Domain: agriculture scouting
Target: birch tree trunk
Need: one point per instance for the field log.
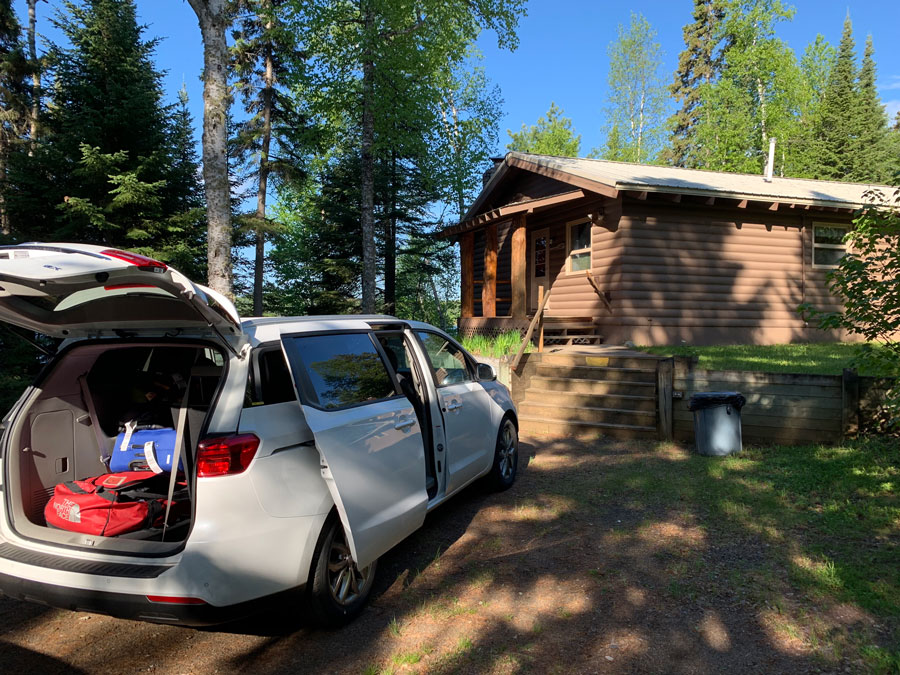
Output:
(4, 152)
(390, 245)
(213, 20)
(367, 184)
(35, 72)
(267, 100)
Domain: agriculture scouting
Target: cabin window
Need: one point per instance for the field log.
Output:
(579, 246)
(828, 244)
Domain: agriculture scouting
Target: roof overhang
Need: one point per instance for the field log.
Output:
(528, 206)
(612, 179)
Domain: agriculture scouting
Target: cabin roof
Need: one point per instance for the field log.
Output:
(608, 178)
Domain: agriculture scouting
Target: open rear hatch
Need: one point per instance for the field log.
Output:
(72, 421)
(70, 291)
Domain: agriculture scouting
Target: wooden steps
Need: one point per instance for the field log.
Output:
(585, 396)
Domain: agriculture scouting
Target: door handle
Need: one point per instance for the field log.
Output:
(404, 424)
(454, 406)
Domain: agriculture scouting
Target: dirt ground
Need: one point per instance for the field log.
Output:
(571, 570)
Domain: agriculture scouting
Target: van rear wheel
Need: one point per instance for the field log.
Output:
(339, 588)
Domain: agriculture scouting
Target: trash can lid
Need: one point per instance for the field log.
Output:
(711, 399)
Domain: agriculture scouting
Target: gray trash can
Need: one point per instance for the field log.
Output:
(717, 422)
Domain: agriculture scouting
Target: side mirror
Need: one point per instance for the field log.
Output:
(486, 372)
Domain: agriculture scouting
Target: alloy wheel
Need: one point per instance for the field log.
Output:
(345, 580)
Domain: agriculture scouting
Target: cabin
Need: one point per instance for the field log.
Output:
(650, 254)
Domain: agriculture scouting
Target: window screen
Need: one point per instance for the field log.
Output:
(447, 360)
(343, 369)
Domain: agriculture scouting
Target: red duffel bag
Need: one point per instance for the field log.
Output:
(99, 505)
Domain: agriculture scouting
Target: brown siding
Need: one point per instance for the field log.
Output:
(706, 279)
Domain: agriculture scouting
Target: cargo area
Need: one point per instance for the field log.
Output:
(55, 442)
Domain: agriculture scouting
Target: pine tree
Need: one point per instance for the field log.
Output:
(798, 150)
(316, 256)
(838, 129)
(871, 160)
(102, 170)
(552, 135)
(182, 195)
(13, 99)
(272, 142)
(698, 64)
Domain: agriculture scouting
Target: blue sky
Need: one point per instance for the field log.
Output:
(562, 51)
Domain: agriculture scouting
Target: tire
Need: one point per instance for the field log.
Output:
(338, 590)
(506, 457)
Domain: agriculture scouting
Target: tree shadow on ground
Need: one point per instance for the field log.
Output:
(605, 557)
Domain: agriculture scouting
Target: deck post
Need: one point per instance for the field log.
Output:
(467, 292)
(665, 374)
(541, 320)
(849, 403)
(489, 288)
(518, 270)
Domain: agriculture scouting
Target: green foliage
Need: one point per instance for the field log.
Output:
(637, 96)
(812, 359)
(113, 164)
(867, 280)
(427, 286)
(315, 257)
(505, 344)
(739, 85)
(698, 64)
(469, 109)
(14, 98)
(756, 95)
(552, 135)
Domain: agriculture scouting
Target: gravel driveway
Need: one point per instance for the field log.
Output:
(577, 568)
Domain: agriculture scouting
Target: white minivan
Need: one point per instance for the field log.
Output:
(310, 446)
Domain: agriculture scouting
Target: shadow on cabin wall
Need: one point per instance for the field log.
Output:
(711, 276)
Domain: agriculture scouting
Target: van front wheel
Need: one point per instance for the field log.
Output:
(339, 589)
(506, 456)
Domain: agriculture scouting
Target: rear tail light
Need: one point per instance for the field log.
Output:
(175, 600)
(226, 456)
(141, 261)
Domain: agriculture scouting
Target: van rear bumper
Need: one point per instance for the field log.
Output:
(131, 606)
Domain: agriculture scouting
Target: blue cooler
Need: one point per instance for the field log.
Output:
(151, 449)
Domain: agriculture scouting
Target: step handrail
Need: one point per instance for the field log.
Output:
(528, 333)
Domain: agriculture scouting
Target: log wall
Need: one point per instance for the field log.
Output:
(712, 277)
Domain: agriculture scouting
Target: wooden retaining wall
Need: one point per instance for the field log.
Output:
(781, 407)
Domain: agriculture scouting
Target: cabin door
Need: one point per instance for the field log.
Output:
(540, 264)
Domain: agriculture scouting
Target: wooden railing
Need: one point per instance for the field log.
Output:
(538, 318)
(593, 281)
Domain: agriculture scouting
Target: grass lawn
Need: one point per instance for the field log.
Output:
(505, 344)
(814, 359)
(632, 557)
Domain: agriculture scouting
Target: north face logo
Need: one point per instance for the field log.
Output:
(68, 510)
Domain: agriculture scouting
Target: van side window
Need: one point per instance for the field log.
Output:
(342, 369)
(447, 361)
(270, 379)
